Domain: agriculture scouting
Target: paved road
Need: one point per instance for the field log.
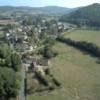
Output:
(22, 90)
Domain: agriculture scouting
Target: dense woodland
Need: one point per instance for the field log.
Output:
(10, 64)
(84, 16)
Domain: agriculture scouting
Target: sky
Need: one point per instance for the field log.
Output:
(41, 3)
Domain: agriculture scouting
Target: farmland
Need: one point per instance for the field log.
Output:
(85, 35)
(5, 22)
(77, 72)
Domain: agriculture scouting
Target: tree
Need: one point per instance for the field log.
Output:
(8, 27)
(5, 51)
(15, 61)
(49, 41)
(88, 16)
(8, 87)
(8, 61)
(48, 52)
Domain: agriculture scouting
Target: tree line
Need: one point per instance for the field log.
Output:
(88, 47)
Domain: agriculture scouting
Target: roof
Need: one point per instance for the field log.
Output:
(43, 62)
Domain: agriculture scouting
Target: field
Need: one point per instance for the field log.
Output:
(78, 73)
(5, 22)
(85, 35)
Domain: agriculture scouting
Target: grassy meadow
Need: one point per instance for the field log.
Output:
(85, 35)
(78, 73)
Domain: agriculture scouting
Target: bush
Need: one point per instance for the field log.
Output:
(56, 82)
(82, 45)
(47, 71)
(48, 52)
(41, 78)
(5, 51)
(8, 85)
(15, 61)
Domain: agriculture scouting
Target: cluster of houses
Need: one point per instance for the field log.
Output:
(19, 42)
(34, 64)
(18, 38)
(19, 35)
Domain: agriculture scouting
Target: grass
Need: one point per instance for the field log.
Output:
(85, 35)
(1, 34)
(79, 73)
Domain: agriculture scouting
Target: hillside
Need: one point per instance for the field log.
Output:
(38, 10)
(89, 15)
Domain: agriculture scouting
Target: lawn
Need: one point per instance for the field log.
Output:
(78, 73)
(85, 35)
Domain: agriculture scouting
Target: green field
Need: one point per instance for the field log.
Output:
(85, 35)
(78, 73)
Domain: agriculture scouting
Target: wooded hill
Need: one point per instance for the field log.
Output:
(36, 10)
(88, 15)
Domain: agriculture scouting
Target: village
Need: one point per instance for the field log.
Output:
(49, 50)
(28, 40)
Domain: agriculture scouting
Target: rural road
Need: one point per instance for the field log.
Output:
(22, 90)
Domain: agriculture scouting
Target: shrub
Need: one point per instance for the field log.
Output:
(56, 82)
(82, 45)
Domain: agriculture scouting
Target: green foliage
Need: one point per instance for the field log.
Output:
(49, 41)
(89, 15)
(9, 59)
(47, 52)
(32, 20)
(2, 62)
(84, 46)
(52, 27)
(8, 85)
(15, 61)
(8, 27)
(9, 63)
(5, 51)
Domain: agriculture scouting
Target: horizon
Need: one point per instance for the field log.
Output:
(45, 3)
(45, 6)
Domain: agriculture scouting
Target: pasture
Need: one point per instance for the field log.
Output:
(84, 35)
(78, 73)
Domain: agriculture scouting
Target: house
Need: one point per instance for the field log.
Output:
(10, 38)
(37, 64)
(41, 66)
(7, 34)
(42, 62)
(30, 48)
(29, 63)
(19, 29)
